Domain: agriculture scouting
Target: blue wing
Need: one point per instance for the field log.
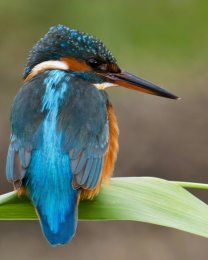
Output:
(18, 160)
(85, 126)
(87, 167)
(26, 119)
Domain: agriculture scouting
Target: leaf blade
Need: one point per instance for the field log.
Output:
(145, 199)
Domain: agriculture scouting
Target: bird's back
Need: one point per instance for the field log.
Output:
(58, 119)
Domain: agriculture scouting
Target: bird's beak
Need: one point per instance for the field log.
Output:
(128, 80)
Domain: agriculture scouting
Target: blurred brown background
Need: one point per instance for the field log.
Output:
(163, 41)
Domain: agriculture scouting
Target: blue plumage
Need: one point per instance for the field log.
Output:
(49, 176)
(58, 149)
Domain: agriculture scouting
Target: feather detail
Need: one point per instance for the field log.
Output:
(18, 159)
(110, 157)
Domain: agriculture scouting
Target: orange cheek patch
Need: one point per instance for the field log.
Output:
(76, 65)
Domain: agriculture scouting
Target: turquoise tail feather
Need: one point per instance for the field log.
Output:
(65, 232)
(49, 184)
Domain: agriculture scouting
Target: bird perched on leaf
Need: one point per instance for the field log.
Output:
(64, 139)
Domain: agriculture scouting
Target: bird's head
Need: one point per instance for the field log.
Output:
(86, 56)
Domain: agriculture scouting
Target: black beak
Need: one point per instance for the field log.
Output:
(128, 80)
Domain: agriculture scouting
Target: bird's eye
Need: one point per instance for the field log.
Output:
(98, 64)
(94, 63)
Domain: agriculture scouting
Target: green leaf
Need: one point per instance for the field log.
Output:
(143, 199)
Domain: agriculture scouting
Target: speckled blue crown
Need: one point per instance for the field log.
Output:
(61, 41)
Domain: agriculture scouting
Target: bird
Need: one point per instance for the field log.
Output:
(64, 132)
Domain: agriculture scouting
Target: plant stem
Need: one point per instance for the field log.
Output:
(192, 185)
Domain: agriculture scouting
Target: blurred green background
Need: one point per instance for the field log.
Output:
(163, 41)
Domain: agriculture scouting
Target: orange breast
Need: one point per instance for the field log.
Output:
(110, 156)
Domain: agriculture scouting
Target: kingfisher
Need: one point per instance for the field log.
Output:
(64, 132)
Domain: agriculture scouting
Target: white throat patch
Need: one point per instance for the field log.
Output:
(104, 85)
(50, 64)
(47, 65)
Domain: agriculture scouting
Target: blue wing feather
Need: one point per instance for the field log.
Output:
(97, 173)
(18, 159)
(10, 164)
(92, 174)
(86, 171)
(81, 163)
